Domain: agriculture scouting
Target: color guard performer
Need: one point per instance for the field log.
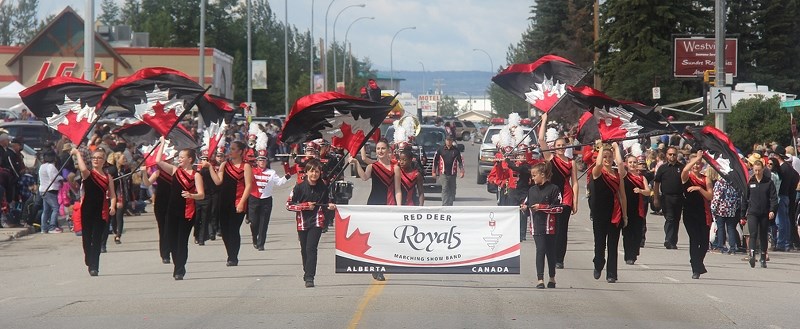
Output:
(698, 191)
(607, 189)
(98, 196)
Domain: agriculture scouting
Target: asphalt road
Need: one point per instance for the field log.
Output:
(46, 285)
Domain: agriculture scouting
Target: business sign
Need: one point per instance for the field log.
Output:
(427, 240)
(259, 78)
(429, 104)
(67, 68)
(693, 56)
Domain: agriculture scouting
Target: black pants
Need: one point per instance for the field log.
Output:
(163, 242)
(695, 222)
(309, 242)
(562, 227)
(632, 237)
(206, 216)
(118, 220)
(92, 236)
(230, 225)
(545, 247)
(178, 230)
(606, 234)
(259, 212)
(757, 226)
(516, 196)
(672, 206)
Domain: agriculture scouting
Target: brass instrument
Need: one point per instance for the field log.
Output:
(416, 125)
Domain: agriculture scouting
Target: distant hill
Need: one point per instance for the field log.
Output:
(473, 83)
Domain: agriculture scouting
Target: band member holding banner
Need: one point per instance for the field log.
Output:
(98, 196)
(697, 211)
(308, 199)
(259, 205)
(636, 188)
(565, 177)
(188, 187)
(235, 177)
(543, 203)
(607, 189)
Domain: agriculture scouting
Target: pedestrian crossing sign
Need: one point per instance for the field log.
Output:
(719, 99)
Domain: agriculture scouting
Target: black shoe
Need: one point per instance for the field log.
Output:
(630, 261)
(695, 275)
(93, 272)
(212, 237)
(667, 245)
(559, 265)
(310, 284)
(165, 260)
(551, 284)
(596, 274)
(232, 263)
(325, 229)
(540, 285)
(674, 247)
(201, 243)
(117, 240)
(247, 220)
(178, 277)
(255, 246)
(763, 263)
(103, 249)
(611, 280)
(752, 259)
(260, 248)
(378, 276)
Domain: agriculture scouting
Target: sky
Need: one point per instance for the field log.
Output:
(446, 31)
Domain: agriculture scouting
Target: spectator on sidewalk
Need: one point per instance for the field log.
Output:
(49, 184)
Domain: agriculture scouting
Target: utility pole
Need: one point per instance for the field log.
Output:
(88, 44)
(719, 66)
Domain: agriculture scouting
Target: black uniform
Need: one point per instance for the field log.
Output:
(163, 187)
(669, 176)
(523, 173)
(310, 221)
(761, 201)
(543, 220)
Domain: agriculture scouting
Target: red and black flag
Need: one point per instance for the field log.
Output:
(342, 120)
(615, 120)
(140, 133)
(158, 96)
(720, 154)
(542, 82)
(69, 104)
(215, 109)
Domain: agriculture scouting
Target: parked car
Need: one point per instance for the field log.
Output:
(35, 134)
(428, 141)
(487, 153)
(464, 129)
(8, 115)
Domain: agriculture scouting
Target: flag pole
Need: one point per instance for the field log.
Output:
(139, 165)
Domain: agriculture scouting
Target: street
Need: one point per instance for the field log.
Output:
(45, 284)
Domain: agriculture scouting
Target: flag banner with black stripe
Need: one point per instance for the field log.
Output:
(158, 96)
(69, 105)
(427, 240)
(720, 154)
(140, 133)
(542, 82)
(215, 109)
(342, 120)
(616, 119)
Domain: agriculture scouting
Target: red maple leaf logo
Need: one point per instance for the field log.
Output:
(545, 94)
(73, 119)
(356, 244)
(76, 129)
(162, 121)
(349, 141)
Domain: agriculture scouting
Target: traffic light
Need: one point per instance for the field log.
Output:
(103, 76)
(709, 76)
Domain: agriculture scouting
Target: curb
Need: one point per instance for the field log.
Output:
(9, 234)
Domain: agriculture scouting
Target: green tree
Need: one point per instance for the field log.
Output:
(447, 106)
(762, 115)
(130, 14)
(6, 27)
(110, 13)
(24, 21)
(636, 43)
(777, 55)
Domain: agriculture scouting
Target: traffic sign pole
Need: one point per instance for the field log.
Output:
(719, 66)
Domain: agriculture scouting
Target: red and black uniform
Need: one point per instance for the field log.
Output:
(382, 185)
(522, 173)
(179, 219)
(94, 216)
(231, 191)
(163, 187)
(606, 222)
(547, 199)
(310, 221)
(636, 209)
(409, 181)
(697, 221)
(206, 221)
(562, 178)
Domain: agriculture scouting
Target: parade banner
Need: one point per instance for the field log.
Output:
(427, 240)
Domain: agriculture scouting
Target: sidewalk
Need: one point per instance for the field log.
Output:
(8, 234)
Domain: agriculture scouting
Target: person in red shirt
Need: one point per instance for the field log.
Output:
(606, 188)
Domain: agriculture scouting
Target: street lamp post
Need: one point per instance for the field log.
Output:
(311, 53)
(344, 59)
(334, 39)
(325, 51)
(423, 78)
(391, 55)
(491, 69)
(249, 56)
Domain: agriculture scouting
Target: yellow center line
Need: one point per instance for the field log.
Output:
(374, 290)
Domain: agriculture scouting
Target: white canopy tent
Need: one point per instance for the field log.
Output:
(9, 96)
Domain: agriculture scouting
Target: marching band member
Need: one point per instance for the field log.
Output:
(207, 209)
(98, 196)
(698, 191)
(543, 202)
(606, 189)
(636, 188)
(412, 190)
(235, 177)
(163, 181)
(259, 205)
(181, 210)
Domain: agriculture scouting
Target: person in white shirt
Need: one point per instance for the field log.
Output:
(259, 203)
(49, 173)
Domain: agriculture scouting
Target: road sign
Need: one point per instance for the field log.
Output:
(250, 109)
(794, 103)
(720, 99)
(656, 93)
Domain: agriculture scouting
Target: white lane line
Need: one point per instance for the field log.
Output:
(672, 279)
(6, 299)
(644, 266)
(715, 298)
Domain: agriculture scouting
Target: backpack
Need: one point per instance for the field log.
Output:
(32, 209)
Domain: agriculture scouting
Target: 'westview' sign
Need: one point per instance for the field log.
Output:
(692, 56)
(447, 240)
